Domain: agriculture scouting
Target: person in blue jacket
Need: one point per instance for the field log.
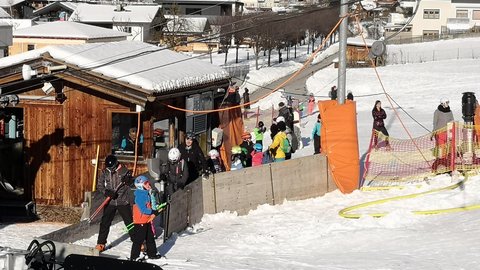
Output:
(316, 134)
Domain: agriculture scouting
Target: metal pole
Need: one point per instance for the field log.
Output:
(342, 64)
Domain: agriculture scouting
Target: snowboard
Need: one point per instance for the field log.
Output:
(82, 262)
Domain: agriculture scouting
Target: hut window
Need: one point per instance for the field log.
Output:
(124, 128)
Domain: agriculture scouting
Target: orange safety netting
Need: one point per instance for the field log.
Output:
(340, 143)
(454, 147)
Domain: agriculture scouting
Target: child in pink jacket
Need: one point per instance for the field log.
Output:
(257, 155)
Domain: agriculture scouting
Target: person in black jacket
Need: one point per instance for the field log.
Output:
(286, 113)
(192, 153)
(379, 114)
(114, 182)
(176, 172)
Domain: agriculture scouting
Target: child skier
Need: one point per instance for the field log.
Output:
(238, 158)
(214, 163)
(143, 214)
(257, 155)
(258, 132)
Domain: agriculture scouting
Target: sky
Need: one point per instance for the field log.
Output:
(310, 234)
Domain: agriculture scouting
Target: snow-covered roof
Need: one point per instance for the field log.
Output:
(108, 14)
(10, 3)
(4, 14)
(64, 29)
(358, 41)
(18, 23)
(66, 5)
(140, 64)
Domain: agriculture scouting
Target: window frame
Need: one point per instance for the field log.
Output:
(431, 14)
(115, 143)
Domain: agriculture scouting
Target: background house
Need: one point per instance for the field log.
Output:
(140, 21)
(88, 96)
(202, 7)
(61, 32)
(18, 9)
(55, 11)
(188, 32)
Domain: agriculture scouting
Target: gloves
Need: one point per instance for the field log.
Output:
(155, 212)
(110, 193)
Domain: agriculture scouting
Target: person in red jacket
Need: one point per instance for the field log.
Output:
(143, 215)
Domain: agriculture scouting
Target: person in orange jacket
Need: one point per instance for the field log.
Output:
(143, 215)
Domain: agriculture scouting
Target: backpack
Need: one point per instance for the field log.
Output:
(286, 146)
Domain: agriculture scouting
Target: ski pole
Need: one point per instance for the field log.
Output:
(161, 207)
(105, 202)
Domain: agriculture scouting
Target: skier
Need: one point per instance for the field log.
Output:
(257, 155)
(311, 103)
(441, 117)
(193, 155)
(143, 214)
(176, 171)
(238, 158)
(378, 114)
(247, 148)
(258, 132)
(214, 162)
(316, 135)
(114, 183)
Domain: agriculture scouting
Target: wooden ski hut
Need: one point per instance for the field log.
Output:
(75, 99)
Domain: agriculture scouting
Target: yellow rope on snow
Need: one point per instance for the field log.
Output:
(345, 212)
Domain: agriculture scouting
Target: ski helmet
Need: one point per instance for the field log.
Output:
(236, 150)
(190, 135)
(280, 119)
(174, 155)
(140, 182)
(258, 147)
(213, 153)
(111, 162)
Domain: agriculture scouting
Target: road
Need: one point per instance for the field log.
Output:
(296, 87)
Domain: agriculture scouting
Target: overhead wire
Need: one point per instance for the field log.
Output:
(91, 67)
(388, 96)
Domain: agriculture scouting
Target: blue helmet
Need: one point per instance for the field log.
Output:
(140, 182)
(258, 147)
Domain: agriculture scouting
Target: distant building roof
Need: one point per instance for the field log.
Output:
(109, 14)
(140, 64)
(17, 23)
(4, 14)
(55, 5)
(9, 3)
(65, 29)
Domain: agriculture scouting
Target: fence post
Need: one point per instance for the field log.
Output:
(453, 152)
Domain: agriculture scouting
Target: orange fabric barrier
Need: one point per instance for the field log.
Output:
(340, 142)
(231, 123)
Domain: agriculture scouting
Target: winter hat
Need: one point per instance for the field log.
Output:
(281, 104)
(280, 119)
(444, 100)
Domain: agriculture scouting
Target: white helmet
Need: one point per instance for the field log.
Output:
(213, 153)
(280, 119)
(444, 100)
(174, 155)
